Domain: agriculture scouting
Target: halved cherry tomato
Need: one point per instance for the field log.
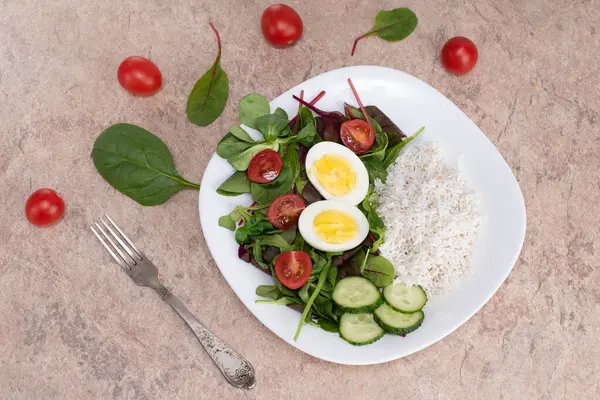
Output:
(281, 25)
(139, 76)
(44, 207)
(265, 166)
(293, 268)
(459, 55)
(357, 135)
(285, 211)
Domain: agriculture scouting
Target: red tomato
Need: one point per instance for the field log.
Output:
(139, 76)
(281, 25)
(44, 207)
(357, 135)
(285, 211)
(459, 55)
(293, 268)
(265, 166)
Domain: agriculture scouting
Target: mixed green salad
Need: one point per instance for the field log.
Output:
(313, 225)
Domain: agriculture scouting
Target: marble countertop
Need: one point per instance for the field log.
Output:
(72, 326)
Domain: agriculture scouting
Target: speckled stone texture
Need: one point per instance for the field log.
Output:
(72, 326)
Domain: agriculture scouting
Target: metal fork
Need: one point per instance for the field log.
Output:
(236, 369)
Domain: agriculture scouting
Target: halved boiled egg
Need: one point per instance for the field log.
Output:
(337, 173)
(332, 225)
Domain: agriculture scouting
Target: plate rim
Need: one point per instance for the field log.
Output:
(459, 321)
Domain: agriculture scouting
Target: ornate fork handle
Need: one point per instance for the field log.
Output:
(236, 369)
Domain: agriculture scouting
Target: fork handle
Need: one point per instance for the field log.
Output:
(236, 369)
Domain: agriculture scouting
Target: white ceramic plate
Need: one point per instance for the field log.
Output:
(410, 103)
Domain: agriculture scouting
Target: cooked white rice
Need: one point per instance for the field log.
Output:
(431, 216)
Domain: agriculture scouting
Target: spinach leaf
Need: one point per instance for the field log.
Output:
(303, 292)
(251, 107)
(230, 146)
(236, 184)
(378, 270)
(306, 117)
(309, 303)
(275, 241)
(241, 134)
(391, 26)
(271, 126)
(298, 242)
(269, 291)
(137, 164)
(301, 182)
(226, 222)
(209, 95)
(265, 193)
(284, 301)
(281, 112)
(392, 153)
(242, 160)
(375, 169)
(306, 136)
(328, 326)
(253, 227)
(376, 226)
(379, 147)
(290, 235)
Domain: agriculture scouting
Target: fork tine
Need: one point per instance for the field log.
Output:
(121, 242)
(108, 247)
(116, 247)
(139, 253)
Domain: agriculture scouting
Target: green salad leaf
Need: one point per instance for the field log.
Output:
(231, 145)
(253, 227)
(392, 153)
(209, 95)
(235, 185)
(377, 269)
(391, 26)
(242, 160)
(281, 112)
(269, 291)
(271, 126)
(137, 164)
(251, 107)
(241, 134)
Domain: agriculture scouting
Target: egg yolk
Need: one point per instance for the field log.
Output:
(335, 174)
(334, 226)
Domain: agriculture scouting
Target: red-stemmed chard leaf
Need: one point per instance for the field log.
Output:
(312, 102)
(209, 95)
(391, 26)
(329, 124)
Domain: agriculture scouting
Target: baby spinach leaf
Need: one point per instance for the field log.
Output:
(379, 147)
(241, 134)
(392, 153)
(284, 301)
(309, 303)
(251, 107)
(234, 185)
(226, 222)
(269, 291)
(265, 193)
(276, 241)
(253, 227)
(231, 146)
(375, 169)
(306, 136)
(281, 112)
(209, 95)
(137, 164)
(328, 326)
(271, 126)
(391, 26)
(395, 134)
(376, 226)
(301, 183)
(242, 160)
(303, 292)
(378, 270)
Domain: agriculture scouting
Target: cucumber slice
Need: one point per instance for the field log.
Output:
(360, 329)
(356, 294)
(405, 299)
(397, 323)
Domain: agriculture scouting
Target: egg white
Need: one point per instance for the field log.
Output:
(305, 225)
(362, 176)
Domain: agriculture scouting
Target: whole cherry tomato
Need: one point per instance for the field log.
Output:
(139, 76)
(281, 25)
(44, 207)
(459, 55)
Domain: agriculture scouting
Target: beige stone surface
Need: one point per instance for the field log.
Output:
(72, 326)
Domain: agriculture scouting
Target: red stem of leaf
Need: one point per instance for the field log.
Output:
(302, 97)
(362, 108)
(312, 103)
(356, 42)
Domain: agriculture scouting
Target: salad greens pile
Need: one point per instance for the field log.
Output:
(261, 243)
